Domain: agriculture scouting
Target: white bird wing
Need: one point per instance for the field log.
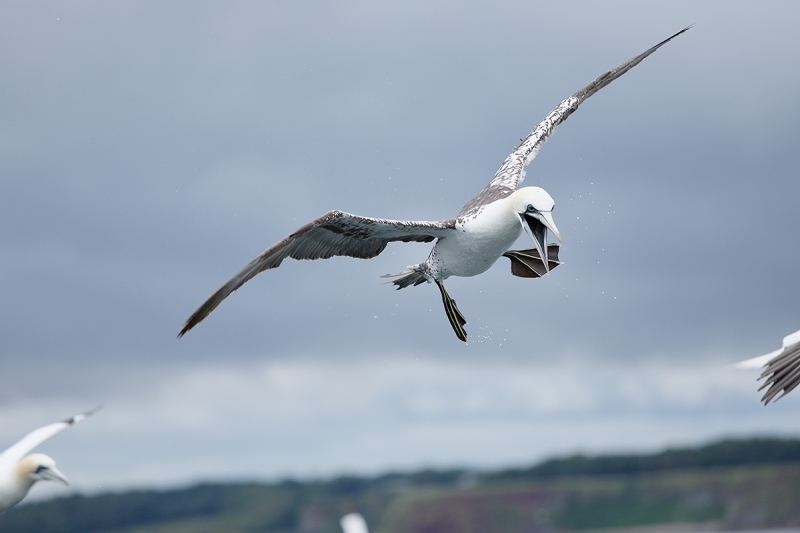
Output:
(512, 172)
(761, 360)
(21, 448)
(756, 362)
(334, 233)
(353, 523)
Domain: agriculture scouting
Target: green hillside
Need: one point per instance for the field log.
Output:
(724, 453)
(732, 484)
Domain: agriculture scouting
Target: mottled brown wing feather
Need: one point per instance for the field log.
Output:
(334, 233)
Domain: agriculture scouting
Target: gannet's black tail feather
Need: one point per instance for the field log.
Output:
(455, 317)
(410, 277)
(528, 263)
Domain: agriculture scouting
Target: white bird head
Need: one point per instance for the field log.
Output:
(39, 467)
(535, 209)
(353, 523)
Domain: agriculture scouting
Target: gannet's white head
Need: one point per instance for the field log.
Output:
(38, 467)
(353, 523)
(535, 209)
(15, 484)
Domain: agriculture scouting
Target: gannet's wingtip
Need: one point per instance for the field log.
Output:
(80, 416)
(668, 39)
(188, 325)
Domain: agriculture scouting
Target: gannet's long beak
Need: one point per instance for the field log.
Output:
(546, 217)
(53, 474)
(536, 226)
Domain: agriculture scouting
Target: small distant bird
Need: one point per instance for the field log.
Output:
(18, 471)
(353, 523)
(465, 246)
(781, 368)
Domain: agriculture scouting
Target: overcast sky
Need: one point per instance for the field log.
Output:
(149, 150)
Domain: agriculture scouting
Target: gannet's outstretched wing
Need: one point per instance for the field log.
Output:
(782, 368)
(27, 443)
(512, 171)
(334, 233)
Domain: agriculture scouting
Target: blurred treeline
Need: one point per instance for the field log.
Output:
(733, 484)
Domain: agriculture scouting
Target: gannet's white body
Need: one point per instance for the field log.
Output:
(467, 245)
(781, 368)
(478, 241)
(19, 471)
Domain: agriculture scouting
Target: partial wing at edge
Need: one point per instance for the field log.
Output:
(783, 370)
(30, 441)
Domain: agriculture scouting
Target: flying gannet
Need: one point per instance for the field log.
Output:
(353, 523)
(466, 245)
(781, 368)
(19, 471)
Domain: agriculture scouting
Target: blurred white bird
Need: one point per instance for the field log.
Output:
(19, 472)
(781, 368)
(353, 523)
(466, 245)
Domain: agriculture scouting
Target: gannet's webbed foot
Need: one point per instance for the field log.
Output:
(455, 317)
(528, 263)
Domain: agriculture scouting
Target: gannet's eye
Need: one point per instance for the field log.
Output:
(40, 468)
(531, 208)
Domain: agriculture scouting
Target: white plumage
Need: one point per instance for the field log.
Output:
(353, 523)
(19, 471)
